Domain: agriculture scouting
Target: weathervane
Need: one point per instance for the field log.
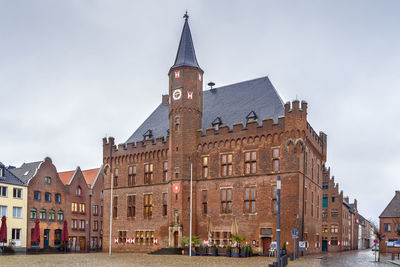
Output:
(186, 16)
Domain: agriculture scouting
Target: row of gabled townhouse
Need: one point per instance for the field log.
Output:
(343, 228)
(36, 190)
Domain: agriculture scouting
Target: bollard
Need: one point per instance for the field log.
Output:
(292, 256)
(393, 257)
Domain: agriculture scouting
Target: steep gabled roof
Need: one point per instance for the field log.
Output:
(26, 171)
(8, 177)
(66, 176)
(393, 208)
(186, 55)
(231, 103)
(90, 176)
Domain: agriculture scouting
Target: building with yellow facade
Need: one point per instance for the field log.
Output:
(13, 205)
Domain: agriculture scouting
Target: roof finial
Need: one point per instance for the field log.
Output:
(186, 16)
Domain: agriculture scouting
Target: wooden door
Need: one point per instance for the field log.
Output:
(176, 239)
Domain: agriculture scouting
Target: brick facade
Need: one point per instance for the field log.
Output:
(46, 182)
(237, 167)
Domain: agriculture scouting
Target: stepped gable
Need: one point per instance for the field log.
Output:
(392, 210)
(231, 103)
(26, 171)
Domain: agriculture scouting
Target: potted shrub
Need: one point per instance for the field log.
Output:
(228, 251)
(283, 250)
(243, 251)
(201, 250)
(237, 239)
(215, 250)
(250, 251)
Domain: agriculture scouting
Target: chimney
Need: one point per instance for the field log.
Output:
(165, 99)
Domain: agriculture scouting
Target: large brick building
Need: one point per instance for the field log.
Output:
(338, 220)
(389, 226)
(234, 140)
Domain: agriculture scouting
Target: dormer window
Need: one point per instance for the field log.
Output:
(78, 191)
(148, 135)
(251, 116)
(1, 171)
(47, 180)
(217, 123)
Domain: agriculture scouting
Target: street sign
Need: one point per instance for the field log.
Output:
(295, 234)
(390, 244)
(397, 244)
(376, 241)
(302, 244)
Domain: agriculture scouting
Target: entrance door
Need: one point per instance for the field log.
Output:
(57, 237)
(265, 241)
(46, 238)
(82, 241)
(176, 239)
(324, 245)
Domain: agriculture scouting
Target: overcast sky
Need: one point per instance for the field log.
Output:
(72, 72)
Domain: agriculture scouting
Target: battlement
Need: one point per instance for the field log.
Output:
(295, 108)
(252, 127)
(150, 144)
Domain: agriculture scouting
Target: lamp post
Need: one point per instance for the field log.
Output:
(278, 223)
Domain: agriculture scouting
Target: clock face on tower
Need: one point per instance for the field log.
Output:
(177, 94)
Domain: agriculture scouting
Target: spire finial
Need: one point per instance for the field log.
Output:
(186, 16)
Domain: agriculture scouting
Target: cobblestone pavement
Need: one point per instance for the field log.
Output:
(136, 259)
(352, 259)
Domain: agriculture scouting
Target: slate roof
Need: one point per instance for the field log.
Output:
(393, 208)
(186, 55)
(231, 103)
(8, 177)
(26, 171)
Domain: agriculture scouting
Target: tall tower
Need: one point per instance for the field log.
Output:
(185, 115)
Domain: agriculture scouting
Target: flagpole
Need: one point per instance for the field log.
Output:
(190, 234)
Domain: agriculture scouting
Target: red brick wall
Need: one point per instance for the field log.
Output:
(37, 183)
(78, 180)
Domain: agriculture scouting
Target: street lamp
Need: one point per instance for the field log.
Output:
(278, 223)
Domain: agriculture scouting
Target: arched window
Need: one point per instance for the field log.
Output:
(43, 214)
(33, 213)
(78, 191)
(60, 216)
(52, 215)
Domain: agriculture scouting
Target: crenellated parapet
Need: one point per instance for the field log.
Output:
(136, 151)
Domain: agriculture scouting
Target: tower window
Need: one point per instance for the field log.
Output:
(165, 171)
(205, 167)
(177, 123)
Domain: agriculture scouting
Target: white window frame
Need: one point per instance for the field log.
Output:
(15, 212)
(16, 189)
(1, 191)
(5, 213)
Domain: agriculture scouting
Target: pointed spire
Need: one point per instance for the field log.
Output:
(186, 55)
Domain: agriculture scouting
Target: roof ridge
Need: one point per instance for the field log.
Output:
(259, 78)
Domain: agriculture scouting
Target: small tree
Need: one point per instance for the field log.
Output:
(238, 239)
